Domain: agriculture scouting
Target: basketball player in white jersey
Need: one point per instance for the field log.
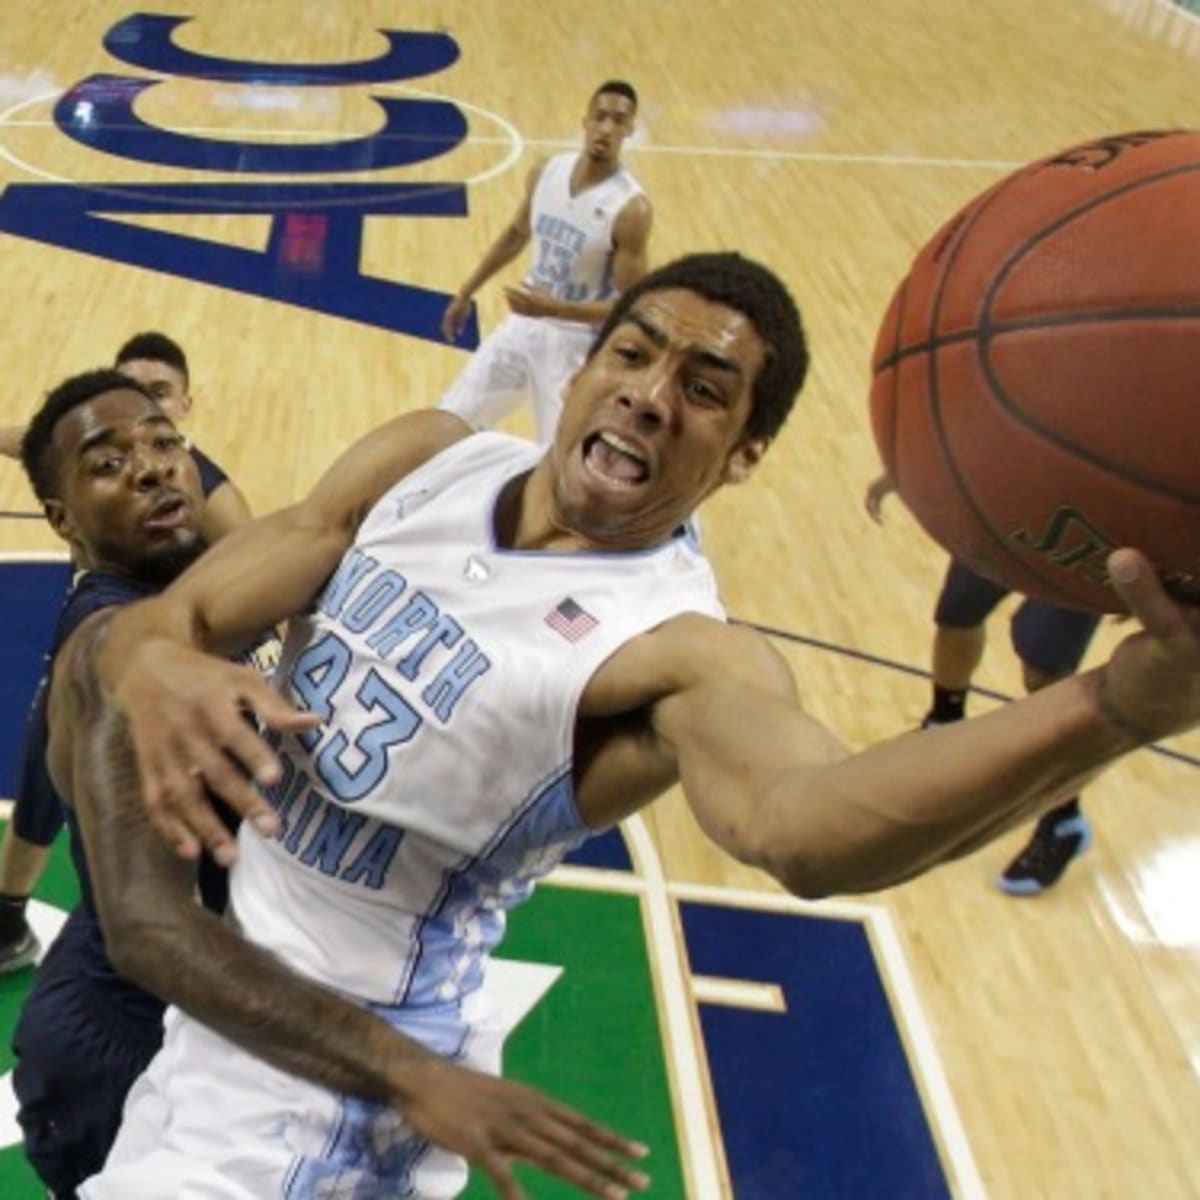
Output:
(500, 651)
(590, 224)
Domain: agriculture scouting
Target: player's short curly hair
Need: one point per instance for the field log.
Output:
(38, 456)
(761, 296)
(617, 87)
(156, 347)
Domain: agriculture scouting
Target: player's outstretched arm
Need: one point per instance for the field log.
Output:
(186, 709)
(512, 240)
(158, 937)
(772, 787)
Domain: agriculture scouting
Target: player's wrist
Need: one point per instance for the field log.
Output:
(1116, 716)
(410, 1071)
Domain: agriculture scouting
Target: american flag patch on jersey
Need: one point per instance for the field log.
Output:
(570, 620)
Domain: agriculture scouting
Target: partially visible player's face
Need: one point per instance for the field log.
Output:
(606, 124)
(654, 421)
(167, 384)
(129, 494)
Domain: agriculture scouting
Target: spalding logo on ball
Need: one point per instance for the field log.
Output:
(1038, 371)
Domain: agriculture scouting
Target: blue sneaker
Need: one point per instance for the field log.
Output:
(1041, 864)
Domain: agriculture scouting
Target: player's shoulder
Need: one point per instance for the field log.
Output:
(680, 654)
(635, 213)
(538, 170)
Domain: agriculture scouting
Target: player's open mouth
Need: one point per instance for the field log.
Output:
(615, 460)
(168, 513)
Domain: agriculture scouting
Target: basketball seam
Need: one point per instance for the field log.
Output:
(986, 337)
(935, 405)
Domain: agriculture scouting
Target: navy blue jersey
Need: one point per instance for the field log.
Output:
(211, 476)
(86, 1032)
(93, 592)
(38, 813)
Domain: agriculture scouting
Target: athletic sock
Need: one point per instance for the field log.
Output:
(949, 704)
(12, 916)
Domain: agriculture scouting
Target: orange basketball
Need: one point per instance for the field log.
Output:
(1037, 375)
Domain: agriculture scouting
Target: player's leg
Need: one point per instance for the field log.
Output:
(1050, 643)
(963, 605)
(559, 352)
(21, 865)
(495, 379)
(76, 1057)
(36, 821)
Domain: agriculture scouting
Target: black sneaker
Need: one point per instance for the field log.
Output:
(1041, 864)
(23, 951)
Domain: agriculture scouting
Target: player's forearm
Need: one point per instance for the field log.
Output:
(159, 938)
(254, 578)
(225, 510)
(879, 817)
(586, 312)
(193, 960)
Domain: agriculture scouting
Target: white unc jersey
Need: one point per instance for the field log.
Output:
(447, 672)
(573, 234)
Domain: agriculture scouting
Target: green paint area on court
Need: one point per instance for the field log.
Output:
(58, 886)
(594, 1041)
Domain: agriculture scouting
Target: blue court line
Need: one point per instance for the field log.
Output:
(918, 672)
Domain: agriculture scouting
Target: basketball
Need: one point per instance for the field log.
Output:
(1036, 375)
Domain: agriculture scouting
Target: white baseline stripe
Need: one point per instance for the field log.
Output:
(697, 1145)
(937, 1090)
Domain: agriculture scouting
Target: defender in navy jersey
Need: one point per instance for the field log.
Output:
(160, 365)
(85, 1033)
(500, 651)
(589, 222)
(37, 815)
(118, 485)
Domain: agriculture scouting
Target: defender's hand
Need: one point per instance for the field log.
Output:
(186, 713)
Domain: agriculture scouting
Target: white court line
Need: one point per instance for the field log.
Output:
(697, 1145)
(886, 941)
(945, 1119)
(512, 137)
(517, 144)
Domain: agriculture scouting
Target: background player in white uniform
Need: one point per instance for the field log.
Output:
(590, 224)
(492, 670)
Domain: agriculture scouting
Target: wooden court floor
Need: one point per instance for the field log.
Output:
(827, 139)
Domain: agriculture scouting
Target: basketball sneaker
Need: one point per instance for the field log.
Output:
(1041, 864)
(22, 951)
(929, 721)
